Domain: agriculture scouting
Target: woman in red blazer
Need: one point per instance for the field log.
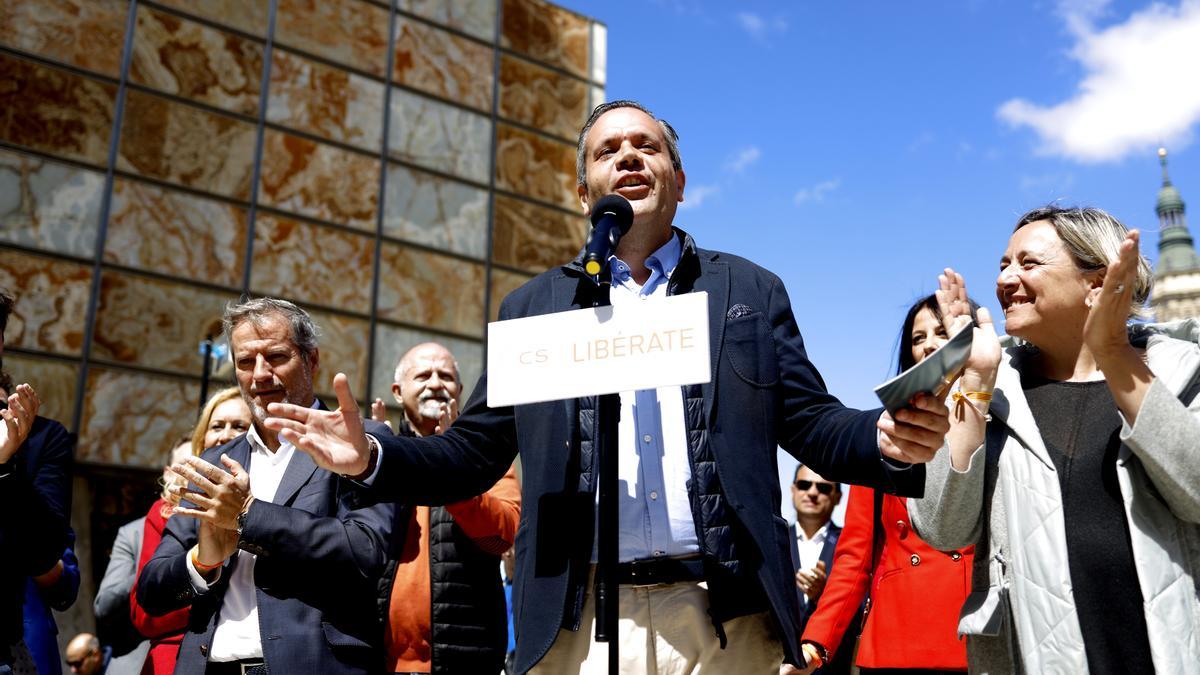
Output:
(224, 418)
(916, 592)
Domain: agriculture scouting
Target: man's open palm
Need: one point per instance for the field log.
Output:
(333, 438)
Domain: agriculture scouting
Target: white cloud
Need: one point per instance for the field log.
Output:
(815, 193)
(695, 195)
(743, 159)
(758, 26)
(1138, 88)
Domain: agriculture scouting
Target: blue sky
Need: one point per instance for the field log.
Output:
(856, 149)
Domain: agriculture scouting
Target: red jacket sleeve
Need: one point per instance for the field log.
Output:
(851, 574)
(147, 624)
(491, 519)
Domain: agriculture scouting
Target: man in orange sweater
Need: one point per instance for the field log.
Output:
(445, 612)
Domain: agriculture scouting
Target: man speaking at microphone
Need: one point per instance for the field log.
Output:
(706, 575)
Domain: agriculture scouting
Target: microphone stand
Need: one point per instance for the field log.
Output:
(608, 416)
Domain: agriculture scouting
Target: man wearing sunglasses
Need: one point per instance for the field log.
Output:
(814, 536)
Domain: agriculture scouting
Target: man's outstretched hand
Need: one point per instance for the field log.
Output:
(917, 432)
(333, 438)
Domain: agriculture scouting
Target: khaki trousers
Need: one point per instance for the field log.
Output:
(666, 630)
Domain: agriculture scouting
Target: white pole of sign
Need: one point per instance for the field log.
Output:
(655, 343)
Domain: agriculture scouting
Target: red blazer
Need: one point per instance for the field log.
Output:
(166, 631)
(916, 592)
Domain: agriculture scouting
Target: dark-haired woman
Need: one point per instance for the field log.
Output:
(916, 591)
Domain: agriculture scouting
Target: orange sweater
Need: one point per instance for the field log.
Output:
(490, 520)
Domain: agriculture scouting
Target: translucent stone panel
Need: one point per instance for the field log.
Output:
(503, 283)
(246, 15)
(427, 289)
(443, 64)
(187, 146)
(55, 382)
(51, 302)
(546, 33)
(344, 347)
(351, 32)
(130, 418)
(599, 52)
(55, 111)
(191, 60)
(439, 136)
(84, 33)
(313, 264)
(328, 102)
(437, 212)
(474, 17)
(319, 181)
(154, 323)
(48, 205)
(541, 98)
(391, 343)
(535, 238)
(176, 233)
(536, 167)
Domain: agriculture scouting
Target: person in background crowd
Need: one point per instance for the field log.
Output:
(111, 604)
(709, 538)
(446, 611)
(224, 418)
(41, 630)
(814, 538)
(279, 560)
(85, 656)
(36, 457)
(915, 591)
(1072, 463)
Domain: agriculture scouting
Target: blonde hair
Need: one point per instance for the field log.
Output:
(206, 416)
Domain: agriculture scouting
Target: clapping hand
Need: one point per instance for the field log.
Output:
(222, 496)
(812, 582)
(979, 373)
(23, 406)
(449, 414)
(335, 439)
(1105, 331)
(379, 412)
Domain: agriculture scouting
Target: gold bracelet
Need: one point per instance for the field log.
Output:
(960, 401)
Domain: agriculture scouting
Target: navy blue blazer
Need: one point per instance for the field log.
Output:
(764, 393)
(321, 547)
(35, 513)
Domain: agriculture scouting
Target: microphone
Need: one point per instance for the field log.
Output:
(611, 219)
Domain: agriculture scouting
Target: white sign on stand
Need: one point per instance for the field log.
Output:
(659, 342)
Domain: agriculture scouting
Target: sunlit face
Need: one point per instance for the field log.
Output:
(230, 419)
(927, 334)
(1041, 289)
(430, 381)
(626, 153)
(269, 367)
(815, 501)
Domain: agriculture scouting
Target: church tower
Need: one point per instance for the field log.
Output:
(1177, 275)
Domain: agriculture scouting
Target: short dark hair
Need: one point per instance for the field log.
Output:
(303, 331)
(669, 134)
(6, 308)
(906, 360)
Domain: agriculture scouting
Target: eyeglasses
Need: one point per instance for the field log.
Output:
(823, 488)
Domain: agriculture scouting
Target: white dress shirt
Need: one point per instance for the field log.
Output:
(236, 636)
(810, 549)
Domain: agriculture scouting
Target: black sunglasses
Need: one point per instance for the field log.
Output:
(823, 488)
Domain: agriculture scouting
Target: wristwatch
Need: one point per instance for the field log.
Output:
(241, 525)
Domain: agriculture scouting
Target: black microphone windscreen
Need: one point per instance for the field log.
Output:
(616, 206)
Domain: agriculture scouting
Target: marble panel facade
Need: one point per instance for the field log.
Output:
(434, 211)
(351, 32)
(473, 17)
(536, 167)
(391, 343)
(535, 238)
(85, 33)
(129, 418)
(187, 146)
(431, 290)
(176, 233)
(541, 98)
(48, 205)
(503, 283)
(154, 323)
(51, 302)
(312, 264)
(194, 61)
(55, 111)
(599, 52)
(319, 181)
(249, 16)
(439, 136)
(54, 380)
(328, 102)
(443, 64)
(344, 345)
(546, 33)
